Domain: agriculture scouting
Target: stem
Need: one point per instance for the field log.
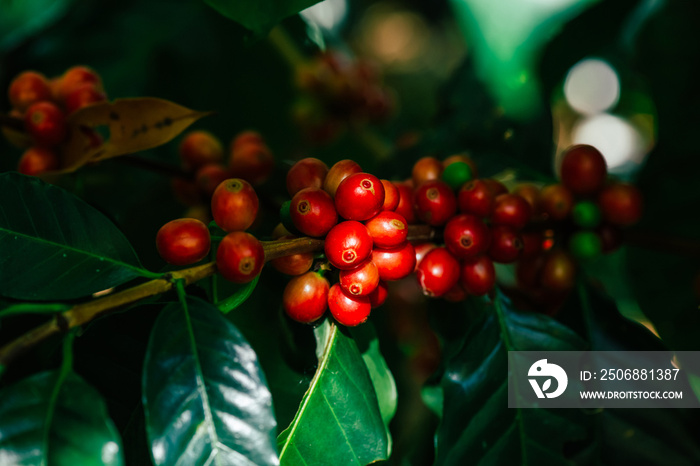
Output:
(81, 314)
(12, 122)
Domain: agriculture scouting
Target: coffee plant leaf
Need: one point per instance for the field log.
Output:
(54, 246)
(205, 396)
(259, 16)
(339, 420)
(55, 418)
(20, 20)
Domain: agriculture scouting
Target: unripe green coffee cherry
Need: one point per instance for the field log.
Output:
(586, 214)
(585, 245)
(456, 174)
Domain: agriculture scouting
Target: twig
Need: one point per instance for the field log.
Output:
(12, 122)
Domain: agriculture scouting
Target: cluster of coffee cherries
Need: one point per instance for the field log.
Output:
(43, 104)
(338, 90)
(240, 256)
(202, 158)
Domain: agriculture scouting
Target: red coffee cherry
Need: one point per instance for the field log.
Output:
(338, 173)
(621, 204)
(234, 205)
(438, 272)
(405, 205)
(313, 212)
(240, 257)
(426, 169)
(512, 210)
(379, 295)
(245, 138)
(28, 88)
(183, 241)
(388, 229)
(434, 202)
(294, 264)
(305, 297)
(348, 244)
(556, 201)
(466, 236)
(496, 187)
(391, 195)
(73, 78)
(506, 244)
(251, 161)
(199, 148)
(360, 281)
(421, 250)
(45, 122)
(531, 194)
(306, 173)
(558, 271)
(476, 198)
(347, 309)
(583, 170)
(395, 263)
(455, 294)
(37, 160)
(359, 197)
(82, 97)
(477, 275)
(210, 176)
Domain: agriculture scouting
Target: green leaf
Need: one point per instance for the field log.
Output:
(51, 418)
(55, 246)
(33, 308)
(261, 15)
(205, 396)
(22, 19)
(238, 297)
(339, 420)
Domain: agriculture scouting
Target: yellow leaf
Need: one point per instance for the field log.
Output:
(131, 125)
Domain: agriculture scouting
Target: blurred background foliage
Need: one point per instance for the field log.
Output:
(512, 82)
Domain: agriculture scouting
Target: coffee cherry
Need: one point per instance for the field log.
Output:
(359, 197)
(434, 202)
(464, 158)
(347, 309)
(82, 97)
(306, 173)
(586, 214)
(456, 174)
(421, 250)
(234, 205)
(45, 122)
(405, 206)
(395, 263)
(305, 297)
(313, 212)
(506, 244)
(556, 201)
(338, 173)
(388, 229)
(391, 195)
(348, 244)
(477, 275)
(426, 169)
(531, 194)
(244, 138)
(210, 176)
(74, 78)
(583, 170)
(199, 148)
(294, 264)
(438, 272)
(28, 88)
(251, 161)
(183, 241)
(558, 271)
(37, 160)
(476, 198)
(466, 236)
(585, 245)
(496, 187)
(362, 280)
(512, 210)
(379, 295)
(240, 257)
(621, 204)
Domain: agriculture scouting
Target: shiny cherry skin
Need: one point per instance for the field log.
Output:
(305, 297)
(391, 196)
(421, 250)
(208, 177)
(511, 210)
(438, 272)
(434, 202)
(388, 229)
(348, 244)
(37, 160)
(183, 241)
(405, 205)
(240, 257)
(234, 205)
(362, 280)
(360, 197)
(74, 78)
(313, 212)
(28, 88)
(583, 170)
(337, 173)
(306, 173)
(476, 198)
(252, 161)
(347, 309)
(293, 264)
(379, 295)
(199, 148)
(506, 244)
(395, 263)
(45, 123)
(477, 275)
(426, 169)
(466, 236)
(621, 204)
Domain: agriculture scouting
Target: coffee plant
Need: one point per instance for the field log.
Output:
(232, 232)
